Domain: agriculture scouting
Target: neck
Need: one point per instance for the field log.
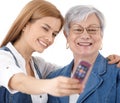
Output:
(23, 50)
(26, 53)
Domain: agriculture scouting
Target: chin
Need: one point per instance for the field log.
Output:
(85, 54)
(40, 51)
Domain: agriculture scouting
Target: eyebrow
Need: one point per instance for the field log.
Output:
(94, 25)
(47, 26)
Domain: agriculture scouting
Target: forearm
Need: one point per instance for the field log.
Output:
(27, 84)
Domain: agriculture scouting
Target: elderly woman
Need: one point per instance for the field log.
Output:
(83, 29)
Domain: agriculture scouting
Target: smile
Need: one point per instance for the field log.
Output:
(84, 44)
(43, 43)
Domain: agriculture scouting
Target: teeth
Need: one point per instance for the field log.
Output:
(84, 44)
(43, 43)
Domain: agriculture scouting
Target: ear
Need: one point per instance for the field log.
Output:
(65, 34)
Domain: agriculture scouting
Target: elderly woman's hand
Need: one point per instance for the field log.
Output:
(114, 59)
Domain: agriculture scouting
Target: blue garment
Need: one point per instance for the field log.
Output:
(103, 85)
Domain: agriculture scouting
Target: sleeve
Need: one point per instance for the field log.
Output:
(45, 67)
(7, 69)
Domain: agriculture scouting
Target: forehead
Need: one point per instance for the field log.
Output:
(52, 22)
(91, 19)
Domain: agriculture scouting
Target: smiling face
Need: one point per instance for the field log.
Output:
(40, 34)
(85, 37)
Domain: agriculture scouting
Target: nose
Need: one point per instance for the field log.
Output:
(49, 38)
(85, 35)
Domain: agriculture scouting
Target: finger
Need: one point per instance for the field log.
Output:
(68, 80)
(65, 92)
(113, 59)
(110, 57)
(75, 86)
(118, 65)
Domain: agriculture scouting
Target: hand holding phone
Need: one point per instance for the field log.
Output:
(81, 70)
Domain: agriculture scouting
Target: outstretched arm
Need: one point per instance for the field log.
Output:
(59, 86)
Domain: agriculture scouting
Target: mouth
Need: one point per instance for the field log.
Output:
(43, 44)
(84, 43)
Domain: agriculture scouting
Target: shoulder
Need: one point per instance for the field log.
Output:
(5, 54)
(5, 51)
(102, 65)
(112, 67)
(113, 71)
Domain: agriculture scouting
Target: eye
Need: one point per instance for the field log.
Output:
(54, 34)
(45, 28)
(77, 30)
(92, 30)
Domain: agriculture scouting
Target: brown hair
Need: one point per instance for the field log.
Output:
(34, 10)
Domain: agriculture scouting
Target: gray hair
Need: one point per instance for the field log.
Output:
(80, 12)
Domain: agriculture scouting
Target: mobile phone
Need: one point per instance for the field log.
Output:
(81, 70)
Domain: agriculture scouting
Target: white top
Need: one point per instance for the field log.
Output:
(8, 68)
(74, 97)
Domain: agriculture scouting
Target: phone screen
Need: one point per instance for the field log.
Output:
(81, 70)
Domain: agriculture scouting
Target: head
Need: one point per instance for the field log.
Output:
(83, 29)
(33, 11)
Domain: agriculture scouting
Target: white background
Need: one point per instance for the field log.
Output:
(57, 53)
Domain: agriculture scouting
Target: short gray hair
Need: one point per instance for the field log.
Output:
(79, 12)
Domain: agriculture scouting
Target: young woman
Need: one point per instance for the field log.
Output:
(22, 76)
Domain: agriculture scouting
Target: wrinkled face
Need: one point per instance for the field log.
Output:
(40, 34)
(85, 37)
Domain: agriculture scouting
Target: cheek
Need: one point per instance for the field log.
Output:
(70, 42)
(70, 38)
(98, 42)
(52, 41)
(97, 38)
(30, 35)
